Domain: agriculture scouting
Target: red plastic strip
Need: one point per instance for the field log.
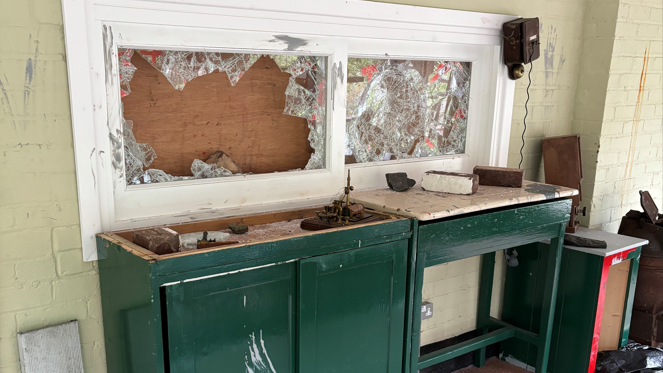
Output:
(607, 263)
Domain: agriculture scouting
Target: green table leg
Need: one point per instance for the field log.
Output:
(485, 295)
(549, 300)
(416, 317)
(630, 294)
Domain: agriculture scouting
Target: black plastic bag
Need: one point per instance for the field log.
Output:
(632, 358)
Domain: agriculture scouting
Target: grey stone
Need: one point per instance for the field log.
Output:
(399, 182)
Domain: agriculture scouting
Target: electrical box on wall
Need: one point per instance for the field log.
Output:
(521, 44)
(426, 310)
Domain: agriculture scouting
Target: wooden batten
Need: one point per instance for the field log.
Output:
(245, 121)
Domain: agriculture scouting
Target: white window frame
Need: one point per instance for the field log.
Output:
(94, 29)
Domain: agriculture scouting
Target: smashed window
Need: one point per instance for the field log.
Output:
(399, 109)
(197, 114)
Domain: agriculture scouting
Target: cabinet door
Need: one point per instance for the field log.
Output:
(352, 310)
(240, 322)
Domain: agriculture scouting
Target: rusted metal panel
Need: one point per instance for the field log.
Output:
(648, 301)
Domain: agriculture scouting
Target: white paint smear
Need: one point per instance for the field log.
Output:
(257, 364)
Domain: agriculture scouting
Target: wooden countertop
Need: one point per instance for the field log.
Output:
(420, 204)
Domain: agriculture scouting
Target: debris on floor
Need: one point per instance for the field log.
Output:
(494, 365)
(632, 358)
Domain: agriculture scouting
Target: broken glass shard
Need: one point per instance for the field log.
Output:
(399, 109)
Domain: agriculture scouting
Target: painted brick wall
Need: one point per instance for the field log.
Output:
(43, 279)
(630, 156)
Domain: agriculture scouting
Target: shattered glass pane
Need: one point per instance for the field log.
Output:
(180, 67)
(137, 156)
(127, 70)
(399, 109)
(305, 97)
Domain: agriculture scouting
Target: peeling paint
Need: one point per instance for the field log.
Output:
(116, 151)
(28, 80)
(550, 72)
(94, 177)
(7, 107)
(257, 364)
(292, 43)
(108, 53)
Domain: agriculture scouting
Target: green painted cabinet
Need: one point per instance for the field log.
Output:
(242, 322)
(332, 301)
(352, 310)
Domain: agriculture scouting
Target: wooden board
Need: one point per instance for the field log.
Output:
(245, 121)
(613, 310)
(417, 203)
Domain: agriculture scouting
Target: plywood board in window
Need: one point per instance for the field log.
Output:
(245, 121)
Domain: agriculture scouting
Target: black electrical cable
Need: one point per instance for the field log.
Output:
(529, 77)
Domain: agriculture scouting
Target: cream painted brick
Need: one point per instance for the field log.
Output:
(7, 274)
(78, 287)
(17, 298)
(637, 12)
(19, 14)
(52, 314)
(17, 40)
(36, 269)
(94, 310)
(48, 11)
(65, 238)
(7, 221)
(656, 15)
(70, 262)
(46, 131)
(32, 243)
(46, 215)
(36, 159)
(91, 330)
(624, 112)
(9, 356)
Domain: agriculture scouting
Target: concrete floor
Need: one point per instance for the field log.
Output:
(494, 365)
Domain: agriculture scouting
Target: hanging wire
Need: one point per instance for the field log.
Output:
(529, 77)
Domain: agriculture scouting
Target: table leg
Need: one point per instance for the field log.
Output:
(630, 294)
(416, 317)
(485, 295)
(549, 300)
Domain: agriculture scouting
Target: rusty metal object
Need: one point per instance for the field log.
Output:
(563, 166)
(649, 206)
(340, 213)
(209, 244)
(499, 176)
(647, 318)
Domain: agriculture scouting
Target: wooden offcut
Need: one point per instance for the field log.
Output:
(245, 121)
(160, 241)
(499, 176)
(613, 308)
(450, 182)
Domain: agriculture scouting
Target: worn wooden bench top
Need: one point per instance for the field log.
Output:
(420, 204)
